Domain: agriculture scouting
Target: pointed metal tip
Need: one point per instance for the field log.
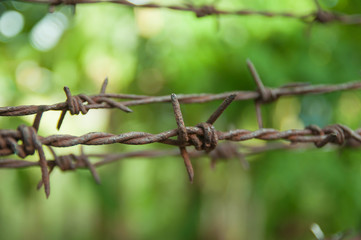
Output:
(106, 80)
(249, 62)
(190, 172)
(61, 119)
(191, 177)
(128, 110)
(104, 85)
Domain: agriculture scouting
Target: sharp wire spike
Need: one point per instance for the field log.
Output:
(104, 86)
(221, 108)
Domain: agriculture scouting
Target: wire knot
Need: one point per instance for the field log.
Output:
(65, 2)
(75, 104)
(204, 11)
(207, 140)
(324, 16)
(66, 162)
(30, 142)
(29, 138)
(72, 162)
(267, 95)
(336, 133)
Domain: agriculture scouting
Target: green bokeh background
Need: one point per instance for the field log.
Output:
(158, 52)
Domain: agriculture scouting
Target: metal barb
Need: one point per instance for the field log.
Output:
(43, 163)
(38, 116)
(182, 136)
(104, 86)
(256, 78)
(221, 108)
(90, 166)
(259, 114)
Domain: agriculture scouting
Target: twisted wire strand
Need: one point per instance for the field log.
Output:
(336, 134)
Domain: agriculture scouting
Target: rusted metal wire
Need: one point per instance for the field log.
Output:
(24, 141)
(204, 137)
(319, 15)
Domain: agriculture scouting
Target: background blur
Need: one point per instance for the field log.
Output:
(158, 52)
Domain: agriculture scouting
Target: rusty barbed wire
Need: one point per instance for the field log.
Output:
(318, 16)
(25, 141)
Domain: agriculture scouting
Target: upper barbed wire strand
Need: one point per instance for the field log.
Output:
(134, 100)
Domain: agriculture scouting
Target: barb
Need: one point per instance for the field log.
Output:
(182, 136)
(266, 94)
(319, 15)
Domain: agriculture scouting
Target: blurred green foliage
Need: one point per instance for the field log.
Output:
(156, 52)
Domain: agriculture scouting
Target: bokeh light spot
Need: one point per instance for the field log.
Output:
(48, 31)
(11, 23)
(31, 77)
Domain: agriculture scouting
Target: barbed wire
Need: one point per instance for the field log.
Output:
(25, 140)
(319, 15)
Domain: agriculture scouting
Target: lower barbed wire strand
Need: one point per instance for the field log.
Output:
(141, 138)
(225, 151)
